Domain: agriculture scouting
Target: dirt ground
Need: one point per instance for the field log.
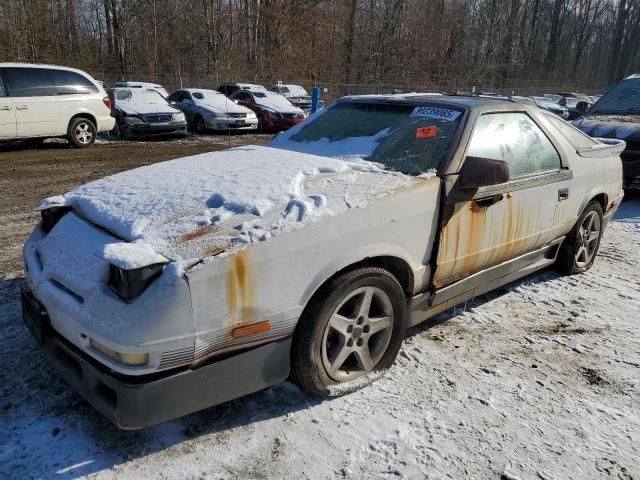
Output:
(28, 174)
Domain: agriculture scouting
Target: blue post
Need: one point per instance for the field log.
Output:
(315, 99)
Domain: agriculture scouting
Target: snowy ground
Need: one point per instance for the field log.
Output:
(537, 380)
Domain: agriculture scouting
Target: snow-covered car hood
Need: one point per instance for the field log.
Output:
(222, 105)
(623, 127)
(133, 108)
(278, 103)
(200, 206)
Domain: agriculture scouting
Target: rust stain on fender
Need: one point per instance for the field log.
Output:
(240, 289)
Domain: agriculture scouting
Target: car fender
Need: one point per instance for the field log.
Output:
(352, 257)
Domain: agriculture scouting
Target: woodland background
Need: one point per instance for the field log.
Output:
(347, 46)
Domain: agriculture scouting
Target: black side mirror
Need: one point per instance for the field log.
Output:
(581, 107)
(479, 172)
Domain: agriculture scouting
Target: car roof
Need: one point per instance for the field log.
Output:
(191, 90)
(462, 102)
(42, 65)
(635, 75)
(131, 83)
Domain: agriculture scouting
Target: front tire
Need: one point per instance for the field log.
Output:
(579, 249)
(81, 132)
(354, 326)
(199, 126)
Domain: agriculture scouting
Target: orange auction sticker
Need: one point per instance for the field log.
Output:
(426, 132)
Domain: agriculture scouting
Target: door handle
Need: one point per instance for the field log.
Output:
(22, 107)
(5, 108)
(488, 201)
(563, 194)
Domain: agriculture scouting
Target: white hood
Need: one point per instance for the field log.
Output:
(142, 102)
(204, 204)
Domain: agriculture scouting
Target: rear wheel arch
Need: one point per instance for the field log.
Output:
(88, 116)
(602, 199)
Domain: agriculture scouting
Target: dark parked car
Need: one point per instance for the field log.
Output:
(576, 106)
(617, 115)
(141, 112)
(274, 112)
(231, 87)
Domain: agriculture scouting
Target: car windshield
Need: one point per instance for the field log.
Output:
(624, 97)
(546, 102)
(402, 138)
(295, 91)
(140, 95)
(207, 95)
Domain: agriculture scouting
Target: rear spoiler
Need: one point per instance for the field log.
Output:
(608, 147)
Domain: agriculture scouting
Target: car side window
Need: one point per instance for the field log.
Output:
(29, 82)
(72, 83)
(3, 92)
(575, 137)
(515, 139)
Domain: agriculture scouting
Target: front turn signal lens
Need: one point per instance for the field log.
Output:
(130, 359)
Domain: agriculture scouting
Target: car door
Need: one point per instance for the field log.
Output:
(187, 105)
(35, 101)
(7, 114)
(501, 222)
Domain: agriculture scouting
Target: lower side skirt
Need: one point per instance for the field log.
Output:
(427, 304)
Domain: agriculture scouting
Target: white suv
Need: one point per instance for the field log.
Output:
(43, 101)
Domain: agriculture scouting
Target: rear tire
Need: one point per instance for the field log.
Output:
(579, 249)
(353, 326)
(81, 132)
(261, 127)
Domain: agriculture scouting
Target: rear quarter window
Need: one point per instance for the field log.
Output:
(29, 82)
(575, 137)
(72, 83)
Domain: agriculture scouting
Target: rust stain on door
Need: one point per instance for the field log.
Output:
(477, 237)
(240, 288)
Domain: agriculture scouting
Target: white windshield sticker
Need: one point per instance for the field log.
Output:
(435, 112)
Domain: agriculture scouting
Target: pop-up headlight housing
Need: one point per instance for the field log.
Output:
(129, 284)
(51, 216)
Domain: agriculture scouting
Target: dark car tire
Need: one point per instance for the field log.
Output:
(314, 338)
(261, 125)
(198, 125)
(579, 249)
(81, 132)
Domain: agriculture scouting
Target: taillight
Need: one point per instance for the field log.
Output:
(107, 102)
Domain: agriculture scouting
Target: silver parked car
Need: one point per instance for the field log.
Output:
(211, 110)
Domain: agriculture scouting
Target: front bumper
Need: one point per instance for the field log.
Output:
(232, 123)
(133, 402)
(156, 129)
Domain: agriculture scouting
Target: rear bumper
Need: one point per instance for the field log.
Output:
(132, 402)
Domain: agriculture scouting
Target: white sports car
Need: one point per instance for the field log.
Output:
(176, 286)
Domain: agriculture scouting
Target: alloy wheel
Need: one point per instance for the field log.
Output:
(587, 239)
(357, 334)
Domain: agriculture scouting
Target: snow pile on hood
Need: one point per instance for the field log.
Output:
(141, 101)
(202, 205)
(217, 102)
(275, 101)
